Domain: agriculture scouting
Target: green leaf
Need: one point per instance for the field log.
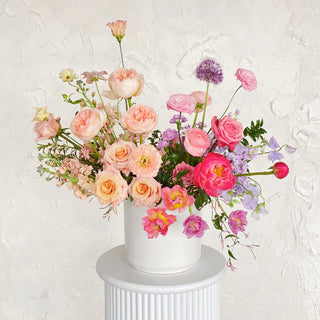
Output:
(231, 236)
(216, 222)
(231, 255)
(182, 173)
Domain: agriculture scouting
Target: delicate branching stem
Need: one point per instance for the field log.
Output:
(225, 111)
(205, 106)
(72, 141)
(263, 173)
(84, 94)
(94, 149)
(121, 54)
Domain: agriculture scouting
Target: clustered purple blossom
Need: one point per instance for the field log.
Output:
(167, 136)
(210, 71)
(176, 117)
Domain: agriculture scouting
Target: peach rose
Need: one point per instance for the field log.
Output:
(87, 123)
(118, 155)
(110, 187)
(140, 119)
(196, 142)
(47, 129)
(145, 191)
(124, 83)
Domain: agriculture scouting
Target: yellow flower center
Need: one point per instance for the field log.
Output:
(217, 171)
(144, 161)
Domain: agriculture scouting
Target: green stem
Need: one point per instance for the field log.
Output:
(94, 149)
(195, 118)
(205, 106)
(230, 102)
(84, 94)
(141, 138)
(263, 173)
(100, 143)
(121, 54)
(72, 141)
(179, 127)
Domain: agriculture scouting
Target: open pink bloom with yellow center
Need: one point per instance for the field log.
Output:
(237, 221)
(176, 198)
(194, 226)
(213, 174)
(157, 221)
(145, 161)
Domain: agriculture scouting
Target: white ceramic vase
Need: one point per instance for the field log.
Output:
(167, 254)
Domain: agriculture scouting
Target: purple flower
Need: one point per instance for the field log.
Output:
(290, 149)
(274, 156)
(194, 226)
(237, 221)
(170, 134)
(162, 143)
(209, 71)
(249, 203)
(273, 144)
(176, 117)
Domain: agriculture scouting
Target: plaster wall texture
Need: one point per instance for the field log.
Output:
(50, 241)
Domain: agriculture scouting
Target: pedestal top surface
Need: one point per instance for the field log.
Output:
(113, 267)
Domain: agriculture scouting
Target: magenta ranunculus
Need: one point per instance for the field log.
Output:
(280, 170)
(227, 131)
(247, 78)
(181, 103)
(237, 221)
(194, 226)
(196, 142)
(214, 174)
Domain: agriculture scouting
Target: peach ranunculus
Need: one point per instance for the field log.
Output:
(196, 142)
(124, 83)
(181, 103)
(145, 191)
(176, 198)
(227, 131)
(87, 123)
(200, 99)
(118, 154)
(145, 161)
(140, 119)
(110, 187)
(118, 28)
(47, 129)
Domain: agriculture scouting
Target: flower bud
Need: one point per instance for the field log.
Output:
(280, 170)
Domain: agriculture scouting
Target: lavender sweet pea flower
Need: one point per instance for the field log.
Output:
(274, 156)
(170, 134)
(290, 149)
(273, 144)
(250, 203)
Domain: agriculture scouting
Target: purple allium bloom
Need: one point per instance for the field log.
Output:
(162, 143)
(237, 221)
(176, 117)
(210, 71)
(273, 144)
(290, 149)
(170, 134)
(250, 203)
(194, 226)
(275, 156)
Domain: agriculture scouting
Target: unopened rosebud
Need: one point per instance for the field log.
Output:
(280, 170)
(118, 28)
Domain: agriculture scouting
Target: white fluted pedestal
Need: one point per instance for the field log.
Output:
(134, 295)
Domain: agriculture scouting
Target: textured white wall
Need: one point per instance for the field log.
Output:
(50, 241)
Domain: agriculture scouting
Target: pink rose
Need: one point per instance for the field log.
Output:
(227, 131)
(140, 119)
(176, 198)
(118, 28)
(196, 142)
(145, 191)
(247, 78)
(200, 99)
(47, 129)
(181, 103)
(118, 154)
(87, 123)
(187, 179)
(214, 174)
(280, 170)
(124, 83)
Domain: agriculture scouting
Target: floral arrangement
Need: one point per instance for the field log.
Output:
(113, 152)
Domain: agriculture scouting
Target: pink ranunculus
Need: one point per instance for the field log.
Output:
(176, 198)
(213, 174)
(145, 191)
(124, 83)
(280, 170)
(227, 131)
(196, 142)
(118, 154)
(140, 119)
(187, 179)
(200, 99)
(247, 78)
(194, 226)
(157, 222)
(47, 129)
(181, 103)
(118, 28)
(87, 123)
(145, 161)
(237, 221)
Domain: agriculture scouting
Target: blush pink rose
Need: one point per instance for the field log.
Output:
(140, 119)
(145, 191)
(213, 174)
(200, 99)
(247, 78)
(47, 129)
(196, 142)
(187, 179)
(181, 103)
(227, 131)
(124, 83)
(87, 123)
